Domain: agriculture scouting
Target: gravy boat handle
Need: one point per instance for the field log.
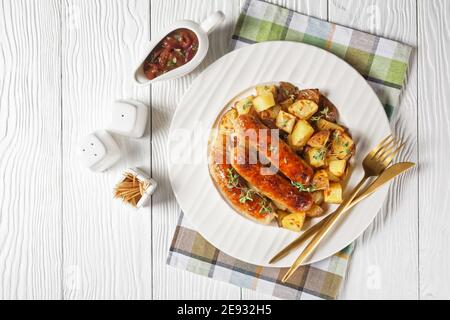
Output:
(212, 21)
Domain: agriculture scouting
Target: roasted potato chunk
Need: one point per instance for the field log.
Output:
(244, 106)
(286, 121)
(270, 114)
(319, 139)
(268, 88)
(342, 145)
(317, 197)
(323, 124)
(331, 157)
(303, 109)
(316, 156)
(294, 221)
(334, 193)
(337, 167)
(263, 101)
(315, 211)
(291, 144)
(320, 180)
(301, 133)
(332, 177)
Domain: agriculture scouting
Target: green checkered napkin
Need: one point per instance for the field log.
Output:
(382, 62)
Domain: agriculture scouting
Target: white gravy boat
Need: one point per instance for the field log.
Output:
(201, 30)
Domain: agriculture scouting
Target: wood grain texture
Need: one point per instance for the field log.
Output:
(171, 283)
(107, 245)
(30, 160)
(310, 7)
(62, 63)
(387, 251)
(434, 134)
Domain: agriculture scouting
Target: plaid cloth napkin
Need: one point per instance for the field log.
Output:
(382, 62)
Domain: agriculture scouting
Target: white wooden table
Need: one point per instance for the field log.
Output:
(62, 63)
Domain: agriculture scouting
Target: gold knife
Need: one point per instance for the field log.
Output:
(387, 175)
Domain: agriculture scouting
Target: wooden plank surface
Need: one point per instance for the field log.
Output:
(62, 63)
(310, 7)
(107, 246)
(170, 283)
(30, 159)
(434, 134)
(385, 262)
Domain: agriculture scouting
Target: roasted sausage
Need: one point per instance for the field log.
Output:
(277, 152)
(233, 188)
(273, 186)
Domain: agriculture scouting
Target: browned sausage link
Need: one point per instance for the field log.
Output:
(277, 152)
(232, 190)
(272, 186)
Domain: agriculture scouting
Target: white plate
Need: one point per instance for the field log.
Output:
(307, 67)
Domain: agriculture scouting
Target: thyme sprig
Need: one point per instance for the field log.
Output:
(302, 187)
(246, 195)
(320, 155)
(233, 179)
(323, 113)
(266, 207)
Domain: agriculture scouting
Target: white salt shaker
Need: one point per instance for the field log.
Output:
(98, 151)
(128, 118)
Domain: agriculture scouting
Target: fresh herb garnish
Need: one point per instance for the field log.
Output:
(338, 140)
(303, 188)
(320, 155)
(247, 105)
(266, 207)
(246, 195)
(323, 113)
(336, 136)
(233, 179)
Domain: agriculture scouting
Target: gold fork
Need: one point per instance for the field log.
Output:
(373, 164)
(387, 175)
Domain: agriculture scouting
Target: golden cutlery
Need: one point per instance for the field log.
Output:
(387, 175)
(373, 164)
